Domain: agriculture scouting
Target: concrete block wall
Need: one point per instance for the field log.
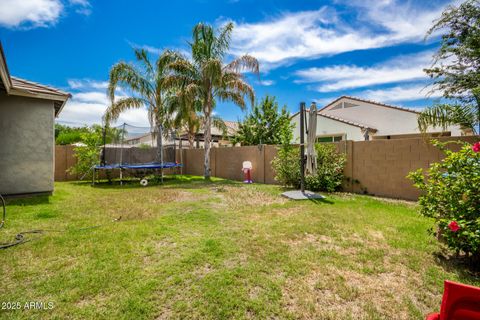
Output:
(377, 167)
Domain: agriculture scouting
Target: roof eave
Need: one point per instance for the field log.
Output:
(4, 73)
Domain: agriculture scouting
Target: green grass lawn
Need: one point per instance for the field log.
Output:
(190, 249)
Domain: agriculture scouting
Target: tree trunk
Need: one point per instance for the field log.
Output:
(207, 136)
(160, 148)
(191, 140)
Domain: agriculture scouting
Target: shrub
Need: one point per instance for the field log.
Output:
(330, 165)
(451, 196)
(287, 166)
(88, 155)
(68, 137)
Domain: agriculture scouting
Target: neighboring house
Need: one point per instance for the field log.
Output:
(218, 138)
(27, 147)
(350, 118)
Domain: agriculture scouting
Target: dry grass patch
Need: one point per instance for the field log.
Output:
(343, 294)
(240, 198)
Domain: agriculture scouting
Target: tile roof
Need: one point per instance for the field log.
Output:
(34, 87)
(369, 101)
(356, 124)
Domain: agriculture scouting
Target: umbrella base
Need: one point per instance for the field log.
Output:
(299, 195)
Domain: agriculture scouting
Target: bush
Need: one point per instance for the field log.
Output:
(287, 166)
(69, 137)
(89, 155)
(330, 165)
(451, 196)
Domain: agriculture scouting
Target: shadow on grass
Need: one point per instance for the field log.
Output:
(321, 201)
(28, 201)
(467, 269)
(169, 182)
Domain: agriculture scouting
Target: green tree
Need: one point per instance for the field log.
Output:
(145, 81)
(206, 78)
(265, 124)
(68, 135)
(88, 154)
(456, 68)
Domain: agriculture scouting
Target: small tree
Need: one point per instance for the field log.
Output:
(265, 124)
(451, 197)
(88, 154)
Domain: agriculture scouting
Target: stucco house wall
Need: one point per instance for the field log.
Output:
(387, 120)
(27, 114)
(352, 118)
(26, 145)
(326, 126)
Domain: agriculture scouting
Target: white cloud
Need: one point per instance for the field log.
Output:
(87, 83)
(83, 7)
(29, 13)
(400, 93)
(311, 34)
(89, 102)
(341, 77)
(266, 83)
(83, 109)
(95, 97)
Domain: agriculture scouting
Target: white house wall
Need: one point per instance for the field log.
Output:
(329, 127)
(388, 121)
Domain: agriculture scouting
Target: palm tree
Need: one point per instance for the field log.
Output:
(145, 81)
(206, 78)
(188, 117)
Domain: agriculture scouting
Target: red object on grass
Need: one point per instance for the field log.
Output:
(459, 302)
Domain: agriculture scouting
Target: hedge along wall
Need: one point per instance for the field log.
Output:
(377, 167)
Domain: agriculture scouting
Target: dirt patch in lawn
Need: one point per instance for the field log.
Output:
(333, 293)
(146, 204)
(235, 198)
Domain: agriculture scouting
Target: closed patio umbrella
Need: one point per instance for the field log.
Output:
(311, 165)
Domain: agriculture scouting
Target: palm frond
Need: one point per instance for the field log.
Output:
(232, 96)
(212, 70)
(127, 76)
(244, 63)
(222, 41)
(115, 109)
(220, 124)
(444, 115)
(242, 87)
(142, 56)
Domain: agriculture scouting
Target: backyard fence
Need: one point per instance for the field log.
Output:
(377, 167)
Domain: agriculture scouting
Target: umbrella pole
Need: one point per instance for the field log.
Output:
(302, 147)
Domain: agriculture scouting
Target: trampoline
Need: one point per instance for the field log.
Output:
(133, 152)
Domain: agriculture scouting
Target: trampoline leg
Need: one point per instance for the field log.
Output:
(93, 177)
(121, 177)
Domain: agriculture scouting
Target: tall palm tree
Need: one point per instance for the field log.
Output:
(208, 79)
(145, 81)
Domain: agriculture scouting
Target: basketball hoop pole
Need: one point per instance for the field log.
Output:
(302, 147)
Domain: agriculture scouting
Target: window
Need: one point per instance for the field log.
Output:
(329, 139)
(343, 105)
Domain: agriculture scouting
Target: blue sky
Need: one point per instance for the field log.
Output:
(309, 50)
